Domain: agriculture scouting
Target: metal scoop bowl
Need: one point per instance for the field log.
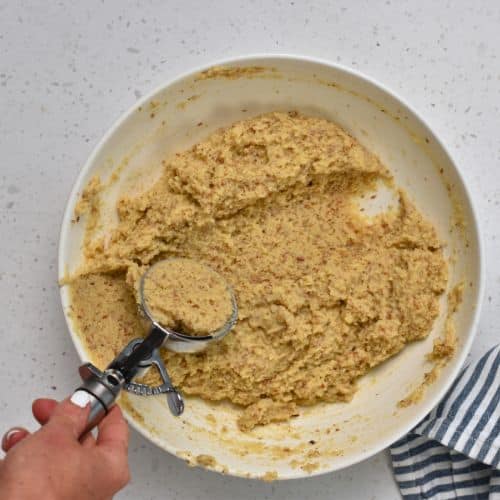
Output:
(180, 341)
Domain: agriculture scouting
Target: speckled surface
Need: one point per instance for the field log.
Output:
(69, 69)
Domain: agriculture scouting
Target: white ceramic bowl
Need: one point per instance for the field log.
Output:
(325, 437)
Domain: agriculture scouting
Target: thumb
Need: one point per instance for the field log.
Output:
(71, 414)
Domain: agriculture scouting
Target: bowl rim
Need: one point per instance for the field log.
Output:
(460, 357)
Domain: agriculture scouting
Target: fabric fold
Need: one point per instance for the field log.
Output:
(455, 451)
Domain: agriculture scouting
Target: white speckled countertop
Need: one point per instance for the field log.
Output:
(69, 69)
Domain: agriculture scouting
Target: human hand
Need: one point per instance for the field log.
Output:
(54, 464)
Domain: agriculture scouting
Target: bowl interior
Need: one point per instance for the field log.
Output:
(328, 436)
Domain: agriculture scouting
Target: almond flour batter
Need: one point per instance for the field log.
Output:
(324, 292)
(187, 297)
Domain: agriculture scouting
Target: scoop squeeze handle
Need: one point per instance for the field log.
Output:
(102, 389)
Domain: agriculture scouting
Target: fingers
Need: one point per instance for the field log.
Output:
(70, 416)
(112, 442)
(88, 441)
(113, 432)
(12, 437)
(43, 409)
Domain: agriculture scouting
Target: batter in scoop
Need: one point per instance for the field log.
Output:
(324, 292)
(187, 297)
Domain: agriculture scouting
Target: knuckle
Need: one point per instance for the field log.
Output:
(121, 476)
(126, 476)
(118, 473)
(57, 440)
(61, 422)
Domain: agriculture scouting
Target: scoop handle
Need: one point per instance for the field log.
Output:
(103, 389)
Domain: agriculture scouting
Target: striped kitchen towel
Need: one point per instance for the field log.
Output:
(455, 451)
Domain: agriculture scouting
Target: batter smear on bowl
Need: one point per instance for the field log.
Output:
(324, 292)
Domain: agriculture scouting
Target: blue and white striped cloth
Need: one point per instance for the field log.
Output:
(455, 451)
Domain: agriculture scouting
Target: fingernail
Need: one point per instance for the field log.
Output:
(8, 435)
(80, 398)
